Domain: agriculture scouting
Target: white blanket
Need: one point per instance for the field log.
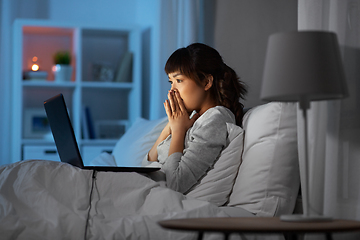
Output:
(51, 200)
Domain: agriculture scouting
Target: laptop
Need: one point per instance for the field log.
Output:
(65, 140)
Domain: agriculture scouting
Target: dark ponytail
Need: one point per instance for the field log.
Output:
(229, 90)
(198, 61)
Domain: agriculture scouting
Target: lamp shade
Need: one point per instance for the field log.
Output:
(305, 64)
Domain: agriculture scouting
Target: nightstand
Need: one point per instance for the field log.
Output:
(260, 225)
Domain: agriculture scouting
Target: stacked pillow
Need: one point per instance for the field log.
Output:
(268, 179)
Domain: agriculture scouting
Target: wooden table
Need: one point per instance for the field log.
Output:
(260, 225)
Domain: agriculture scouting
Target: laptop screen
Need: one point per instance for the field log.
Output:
(63, 131)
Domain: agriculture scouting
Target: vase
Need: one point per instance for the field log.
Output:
(62, 72)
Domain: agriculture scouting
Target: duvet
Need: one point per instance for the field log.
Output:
(53, 200)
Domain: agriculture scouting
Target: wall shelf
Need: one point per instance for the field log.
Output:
(92, 48)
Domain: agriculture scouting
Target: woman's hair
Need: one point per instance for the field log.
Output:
(197, 62)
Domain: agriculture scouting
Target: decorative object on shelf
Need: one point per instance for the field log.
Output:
(102, 72)
(36, 124)
(124, 70)
(302, 67)
(110, 129)
(35, 73)
(62, 68)
(35, 66)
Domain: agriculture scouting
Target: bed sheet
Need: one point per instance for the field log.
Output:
(53, 200)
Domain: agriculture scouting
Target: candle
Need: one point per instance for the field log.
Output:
(35, 67)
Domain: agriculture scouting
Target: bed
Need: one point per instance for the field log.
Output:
(256, 175)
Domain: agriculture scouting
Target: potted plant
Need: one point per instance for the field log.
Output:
(62, 68)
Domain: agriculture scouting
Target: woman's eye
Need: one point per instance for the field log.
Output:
(178, 80)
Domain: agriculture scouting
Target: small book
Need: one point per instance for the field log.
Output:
(124, 70)
(88, 127)
(84, 124)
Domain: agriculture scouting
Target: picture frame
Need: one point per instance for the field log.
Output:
(110, 129)
(36, 124)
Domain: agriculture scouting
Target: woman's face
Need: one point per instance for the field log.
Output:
(193, 95)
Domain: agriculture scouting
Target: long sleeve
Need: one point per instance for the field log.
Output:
(203, 145)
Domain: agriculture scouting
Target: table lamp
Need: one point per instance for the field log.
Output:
(301, 67)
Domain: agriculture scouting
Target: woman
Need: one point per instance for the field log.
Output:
(201, 82)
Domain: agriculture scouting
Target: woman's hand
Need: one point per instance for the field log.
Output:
(177, 113)
(179, 121)
(177, 126)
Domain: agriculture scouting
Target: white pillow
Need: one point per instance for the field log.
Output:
(104, 159)
(268, 180)
(137, 141)
(217, 184)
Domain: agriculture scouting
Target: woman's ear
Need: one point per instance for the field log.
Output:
(209, 82)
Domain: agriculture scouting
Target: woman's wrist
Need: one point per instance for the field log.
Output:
(177, 141)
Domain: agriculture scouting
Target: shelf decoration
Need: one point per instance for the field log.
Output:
(102, 72)
(125, 68)
(35, 66)
(35, 73)
(36, 124)
(62, 68)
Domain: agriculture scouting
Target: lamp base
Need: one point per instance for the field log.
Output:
(304, 218)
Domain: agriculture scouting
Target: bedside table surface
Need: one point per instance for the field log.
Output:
(259, 225)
